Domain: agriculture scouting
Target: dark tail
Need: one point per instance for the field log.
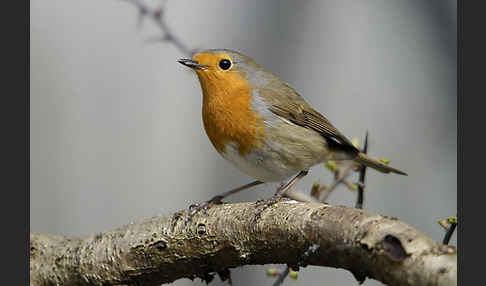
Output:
(376, 164)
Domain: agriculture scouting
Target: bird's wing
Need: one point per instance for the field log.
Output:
(287, 103)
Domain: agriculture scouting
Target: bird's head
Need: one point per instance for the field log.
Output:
(225, 69)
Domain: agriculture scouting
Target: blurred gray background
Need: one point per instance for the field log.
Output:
(116, 129)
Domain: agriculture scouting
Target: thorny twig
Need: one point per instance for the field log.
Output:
(449, 233)
(157, 15)
(452, 222)
(281, 276)
(362, 174)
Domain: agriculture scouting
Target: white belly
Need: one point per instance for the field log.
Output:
(285, 150)
(259, 164)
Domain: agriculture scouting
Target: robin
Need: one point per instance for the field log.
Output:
(263, 126)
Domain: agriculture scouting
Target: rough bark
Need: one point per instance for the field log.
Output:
(161, 250)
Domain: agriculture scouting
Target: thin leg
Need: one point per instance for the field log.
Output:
(280, 192)
(194, 209)
(217, 199)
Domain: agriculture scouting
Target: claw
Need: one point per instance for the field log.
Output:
(196, 208)
(273, 200)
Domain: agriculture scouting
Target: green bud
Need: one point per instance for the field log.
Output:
(352, 187)
(452, 220)
(332, 166)
(385, 160)
(293, 274)
(272, 272)
(443, 223)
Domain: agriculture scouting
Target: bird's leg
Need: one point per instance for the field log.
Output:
(280, 192)
(194, 209)
(282, 189)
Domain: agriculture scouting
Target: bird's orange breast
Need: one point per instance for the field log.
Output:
(227, 113)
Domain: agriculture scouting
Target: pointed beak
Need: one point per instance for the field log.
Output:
(192, 64)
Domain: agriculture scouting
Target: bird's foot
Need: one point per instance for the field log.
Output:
(196, 208)
(265, 204)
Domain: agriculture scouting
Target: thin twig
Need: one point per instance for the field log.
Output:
(281, 276)
(157, 15)
(339, 178)
(449, 225)
(362, 174)
(449, 233)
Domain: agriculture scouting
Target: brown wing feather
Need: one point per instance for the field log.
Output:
(284, 101)
(310, 118)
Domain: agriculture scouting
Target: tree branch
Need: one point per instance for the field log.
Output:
(157, 15)
(161, 250)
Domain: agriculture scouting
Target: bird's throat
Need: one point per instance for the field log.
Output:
(227, 112)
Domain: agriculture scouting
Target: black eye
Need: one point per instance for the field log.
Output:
(225, 64)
